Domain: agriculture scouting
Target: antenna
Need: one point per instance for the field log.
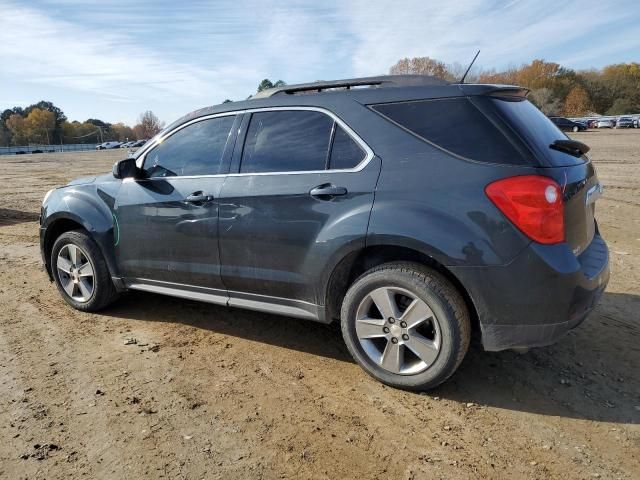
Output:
(469, 68)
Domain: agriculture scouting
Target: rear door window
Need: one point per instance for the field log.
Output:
(287, 141)
(459, 127)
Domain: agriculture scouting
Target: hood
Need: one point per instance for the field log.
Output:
(82, 181)
(107, 177)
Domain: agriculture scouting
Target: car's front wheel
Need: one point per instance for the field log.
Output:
(575, 129)
(406, 325)
(81, 273)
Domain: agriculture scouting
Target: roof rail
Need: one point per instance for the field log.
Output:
(374, 82)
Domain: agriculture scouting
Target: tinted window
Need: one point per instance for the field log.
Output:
(534, 126)
(286, 141)
(345, 153)
(194, 150)
(456, 125)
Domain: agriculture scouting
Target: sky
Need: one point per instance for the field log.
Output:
(113, 60)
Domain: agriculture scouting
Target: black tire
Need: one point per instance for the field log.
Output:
(104, 292)
(441, 297)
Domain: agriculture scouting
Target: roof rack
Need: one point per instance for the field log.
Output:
(374, 82)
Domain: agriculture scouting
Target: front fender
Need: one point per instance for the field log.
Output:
(90, 207)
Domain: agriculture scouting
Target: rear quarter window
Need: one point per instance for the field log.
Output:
(459, 127)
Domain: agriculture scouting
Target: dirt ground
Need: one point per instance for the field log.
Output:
(211, 392)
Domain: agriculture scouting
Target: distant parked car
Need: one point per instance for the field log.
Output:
(108, 145)
(126, 144)
(625, 122)
(137, 144)
(593, 123)
(567, 125)
(605, 123)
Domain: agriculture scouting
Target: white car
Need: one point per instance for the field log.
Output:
(108, 145)
(604, 124)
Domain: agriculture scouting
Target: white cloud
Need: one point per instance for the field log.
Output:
(515, 32)
(121, 57)
(38, 49)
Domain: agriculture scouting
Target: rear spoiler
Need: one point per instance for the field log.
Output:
(493, 90)
(510, 92)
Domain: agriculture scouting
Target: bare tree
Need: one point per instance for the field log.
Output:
(149, 125)
(420, 66)
(544, 99)
(456, 70)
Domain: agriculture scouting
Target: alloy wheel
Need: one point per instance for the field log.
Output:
(75, 272)
(398, 331)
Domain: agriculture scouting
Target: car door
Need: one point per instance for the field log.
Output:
(167, 219)
(301, 193)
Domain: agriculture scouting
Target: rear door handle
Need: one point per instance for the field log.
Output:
(327, 190)
(199, 197)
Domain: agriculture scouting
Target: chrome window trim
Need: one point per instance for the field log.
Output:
(141, 159)
(360, 166)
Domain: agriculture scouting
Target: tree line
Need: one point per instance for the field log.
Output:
(45, 123)
(554, 89)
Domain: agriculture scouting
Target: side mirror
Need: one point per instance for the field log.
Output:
(125, 168)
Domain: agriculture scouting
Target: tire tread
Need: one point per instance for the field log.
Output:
(438, 283)
(106, 292)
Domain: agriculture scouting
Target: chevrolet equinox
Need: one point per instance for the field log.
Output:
(410, 210)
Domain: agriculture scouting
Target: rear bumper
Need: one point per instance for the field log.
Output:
(545, 292)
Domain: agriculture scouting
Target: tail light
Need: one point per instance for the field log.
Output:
(533, 203)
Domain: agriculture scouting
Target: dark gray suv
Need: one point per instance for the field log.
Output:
(411, 210)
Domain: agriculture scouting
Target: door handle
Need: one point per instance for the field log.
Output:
(327, 190)
(199, 197)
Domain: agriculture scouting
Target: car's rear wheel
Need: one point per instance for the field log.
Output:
(81, 273)
(575, 129)
(405, 325)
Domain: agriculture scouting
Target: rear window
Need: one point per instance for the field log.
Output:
(533, 126)
(457, 126)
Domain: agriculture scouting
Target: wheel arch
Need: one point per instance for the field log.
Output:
(354, 264)
(62, 222)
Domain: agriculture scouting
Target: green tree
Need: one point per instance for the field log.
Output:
(18, 128)
(59, 115)
(266, 84)
(621, 106)
(76, 132)
(122, 132)
(5, 136)
(598, 89)
(40, 125)
(624, 82)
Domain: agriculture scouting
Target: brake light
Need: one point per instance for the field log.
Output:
(533, 203)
